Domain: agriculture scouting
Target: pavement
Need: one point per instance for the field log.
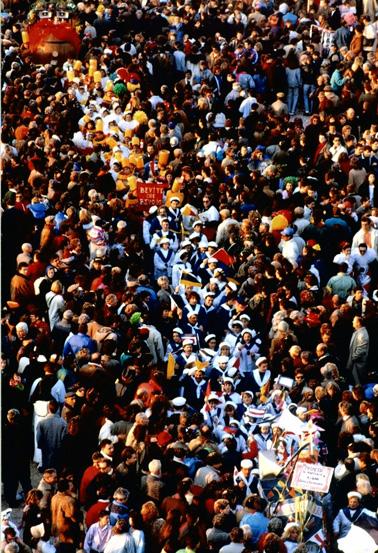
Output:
(16, 516)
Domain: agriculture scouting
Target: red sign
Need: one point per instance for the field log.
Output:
(150, 193)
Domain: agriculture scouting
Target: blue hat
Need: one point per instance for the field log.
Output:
(287, 232)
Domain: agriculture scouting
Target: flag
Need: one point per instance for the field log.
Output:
(236, 363)
(319, 538)
(256, 413)
(189, 211)
(207, 394)
(189, 279)
(170, 366)
(264, 392)
(223, 256)
(313, 530)
(201, 365)
(291, 423)
(173, 304)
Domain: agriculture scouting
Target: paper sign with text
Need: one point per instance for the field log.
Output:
(150, 193)
(315, 478)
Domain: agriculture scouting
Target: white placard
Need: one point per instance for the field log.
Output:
(316, 478)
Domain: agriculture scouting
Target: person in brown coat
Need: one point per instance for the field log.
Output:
(64, 517)
(21, 287)
(357, 41)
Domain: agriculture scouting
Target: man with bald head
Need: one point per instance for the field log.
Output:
(223, 228)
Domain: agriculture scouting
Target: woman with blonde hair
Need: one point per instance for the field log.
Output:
(55, 303)
(364, 487)
(291, 536)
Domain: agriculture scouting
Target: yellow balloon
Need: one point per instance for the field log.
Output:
(97, 76)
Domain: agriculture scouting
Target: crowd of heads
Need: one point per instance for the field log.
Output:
(189, 261)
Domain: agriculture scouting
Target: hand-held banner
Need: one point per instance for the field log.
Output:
(313, 477)
(150, 193)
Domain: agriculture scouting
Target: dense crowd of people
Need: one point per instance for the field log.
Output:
(190, 277)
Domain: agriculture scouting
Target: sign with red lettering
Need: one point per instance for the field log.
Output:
(150, 193)
(316, 478)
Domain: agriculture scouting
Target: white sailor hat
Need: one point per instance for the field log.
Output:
(214, 397)
(354, 494)
(245, 316)
(178, 401)
(232, 285)
(224, 345)
(234, 322)
(264, 423)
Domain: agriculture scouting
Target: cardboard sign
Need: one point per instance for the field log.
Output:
(315, 478)
(150, 193)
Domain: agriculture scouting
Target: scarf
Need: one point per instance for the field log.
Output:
(248, 482)
(164, 259)
(261, 378)
(198, 386)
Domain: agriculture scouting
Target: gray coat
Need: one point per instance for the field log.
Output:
(358, 355)
(50, 434)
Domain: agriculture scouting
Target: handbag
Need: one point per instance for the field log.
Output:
(38, 531)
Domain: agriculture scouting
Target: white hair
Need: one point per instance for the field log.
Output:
(154, 467)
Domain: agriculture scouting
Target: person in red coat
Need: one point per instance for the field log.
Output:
(89, 475)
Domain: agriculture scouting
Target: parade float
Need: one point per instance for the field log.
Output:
(51, 32)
